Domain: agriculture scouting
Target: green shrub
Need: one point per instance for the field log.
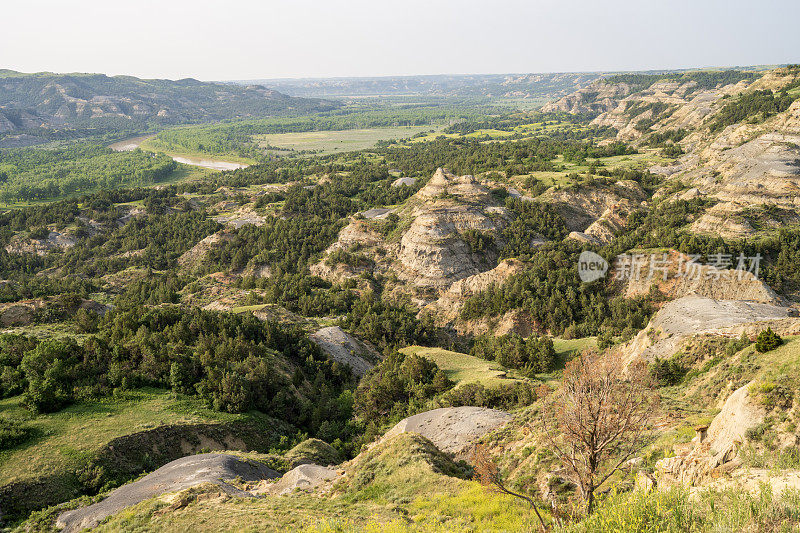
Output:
(477, 240)
(767, 341)
(396, 385)
(531, 355)
(734, 346)
(12, 432)
(666, 372)
(51, 370)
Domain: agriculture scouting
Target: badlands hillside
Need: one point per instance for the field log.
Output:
(35, 105)
(408, 338)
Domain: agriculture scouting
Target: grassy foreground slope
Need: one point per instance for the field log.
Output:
(404, 484)
(93, 445)
(62, 439)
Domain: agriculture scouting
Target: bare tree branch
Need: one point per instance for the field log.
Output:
(488, 473)
(598, 419)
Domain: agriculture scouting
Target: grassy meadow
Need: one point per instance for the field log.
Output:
(462, 368)
(62, 440)
(329, 142)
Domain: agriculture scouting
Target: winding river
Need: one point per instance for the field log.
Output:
(206, 162)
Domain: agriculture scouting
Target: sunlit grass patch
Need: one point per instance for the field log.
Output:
(463, 368)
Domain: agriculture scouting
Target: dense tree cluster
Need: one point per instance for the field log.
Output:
(755, 105)
(152, 241)
(518, 394)
(550, 291)
(388, 325)
(471, 156)
(532, 355)
(507, 122)
(236, 363)
(400, 385)
(532, 222)
(664, 137)
(36, 174)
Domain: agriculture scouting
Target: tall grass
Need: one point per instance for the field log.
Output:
(677, 510)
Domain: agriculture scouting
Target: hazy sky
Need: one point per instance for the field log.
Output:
(246, 39)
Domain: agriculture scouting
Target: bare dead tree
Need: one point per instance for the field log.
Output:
(488, 473)
(598, 419)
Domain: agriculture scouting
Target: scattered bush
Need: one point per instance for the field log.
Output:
(534, 355)
(767, 341)
(666, 372)
(12, 432)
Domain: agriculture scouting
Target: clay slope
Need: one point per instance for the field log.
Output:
(685, 317)
(430, 249)
(453, 430)
(751, 167)
(180, 474)
(754, 170)
(346, 349)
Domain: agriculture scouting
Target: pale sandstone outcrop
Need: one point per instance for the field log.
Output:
(517, 321)
(193, 257)
(409, 182)
(613, 220)
(19, 313)
(749, 166)
(454, 430)
(54, 241)
(680, 319)
(745, 165)
(346, 349)
(466, 287)
(303, 478)
(431, 252)
(597, 97)
(585, 205)
(241, 217)
(695, 280)
(717, 447)
(447, 308)
(687, 107)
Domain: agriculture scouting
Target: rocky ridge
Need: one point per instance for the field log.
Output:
(683, 318)
(752, 168)
(431, 252)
